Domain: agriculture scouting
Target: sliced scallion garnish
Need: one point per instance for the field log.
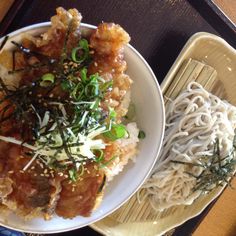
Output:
(100, 155)
(117, 131)
(73, 174)
(81, 53)
(141, 134)
(47, 79)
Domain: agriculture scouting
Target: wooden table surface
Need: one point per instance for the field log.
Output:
(158, 28)
(4, 7)
(228, 7)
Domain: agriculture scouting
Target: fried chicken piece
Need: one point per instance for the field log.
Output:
(108, 42)
(80, 197)
(65, 27)
(30, 190)
(5, 187)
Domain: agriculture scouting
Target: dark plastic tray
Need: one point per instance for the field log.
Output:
(159, 29)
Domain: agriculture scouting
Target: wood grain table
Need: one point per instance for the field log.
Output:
(228, 7)
(4, 7)
(158, 28)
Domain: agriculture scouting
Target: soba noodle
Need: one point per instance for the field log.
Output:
(193, 122)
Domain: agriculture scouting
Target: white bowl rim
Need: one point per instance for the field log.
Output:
(158, 148)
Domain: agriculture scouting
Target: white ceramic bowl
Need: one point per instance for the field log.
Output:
(147, 97)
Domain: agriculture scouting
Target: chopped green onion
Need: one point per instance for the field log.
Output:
(106, 85)
(73, 54)
(78, 91)
(91, 90)
(83, 43)
(100, 157)
(82, 170)
(112, 113)
(83, 74)
(66, 84)
(73, 175)
(141, 134)
(83, 49)
(117, 131)
(95, 104)
(47, 79)
(94, 78)
(108, 162)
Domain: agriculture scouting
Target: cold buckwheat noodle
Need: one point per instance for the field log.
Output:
(193, 122)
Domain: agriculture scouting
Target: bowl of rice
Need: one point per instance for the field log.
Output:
(135, 112)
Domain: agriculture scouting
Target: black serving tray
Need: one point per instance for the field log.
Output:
(158, 28)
